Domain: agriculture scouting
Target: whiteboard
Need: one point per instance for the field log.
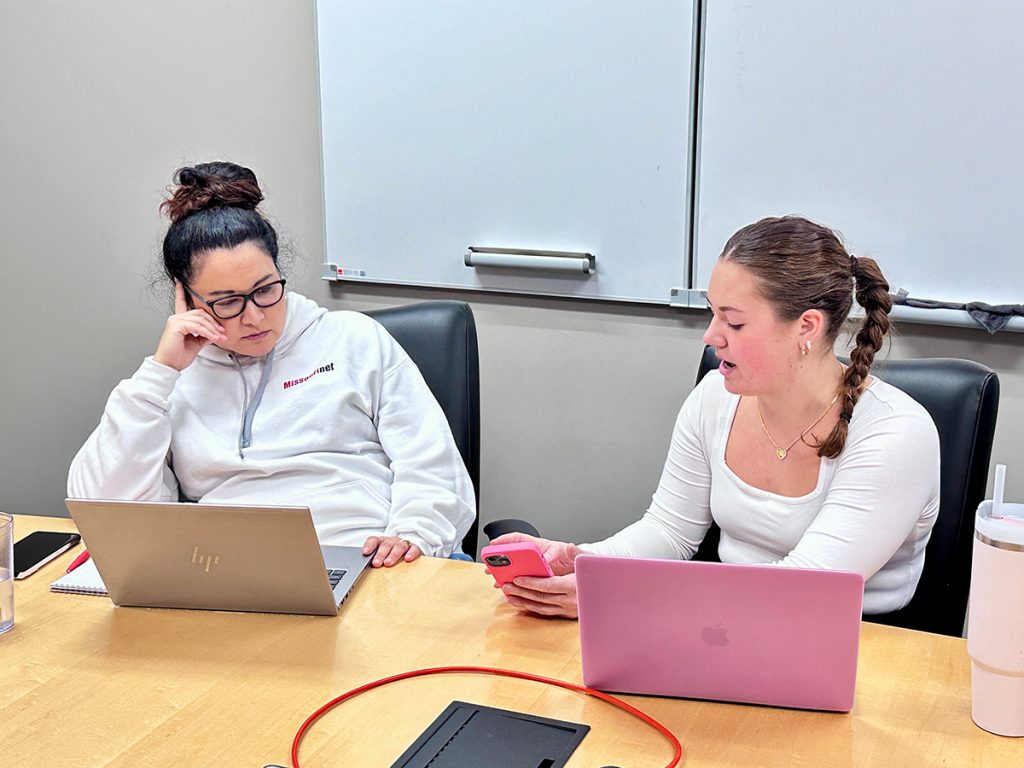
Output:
(535, 124)
(897, 123)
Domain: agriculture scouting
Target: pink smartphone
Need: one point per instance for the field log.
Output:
(506, 561)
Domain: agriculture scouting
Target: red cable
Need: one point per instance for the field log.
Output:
(487, 671)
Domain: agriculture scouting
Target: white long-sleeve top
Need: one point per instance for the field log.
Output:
(336, 418)
(871, 511)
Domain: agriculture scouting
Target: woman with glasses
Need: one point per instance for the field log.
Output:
(258, 396)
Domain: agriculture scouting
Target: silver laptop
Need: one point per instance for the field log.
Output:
(215, 557)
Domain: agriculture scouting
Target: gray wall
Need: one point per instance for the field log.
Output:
(102, 100)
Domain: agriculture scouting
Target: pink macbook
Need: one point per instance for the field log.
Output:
(755, 634)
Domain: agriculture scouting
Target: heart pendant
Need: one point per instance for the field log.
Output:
(781, 453)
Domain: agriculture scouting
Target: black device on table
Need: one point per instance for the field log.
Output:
(37, 549)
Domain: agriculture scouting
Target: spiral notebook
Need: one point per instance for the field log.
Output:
(84, 580)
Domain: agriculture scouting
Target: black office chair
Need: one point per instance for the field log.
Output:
(962, 398)
(440, 337)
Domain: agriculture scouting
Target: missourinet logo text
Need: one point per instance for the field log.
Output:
(321, 369)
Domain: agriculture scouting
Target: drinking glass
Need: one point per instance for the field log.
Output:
(6, 572)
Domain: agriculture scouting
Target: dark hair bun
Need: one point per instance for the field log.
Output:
(211, 185)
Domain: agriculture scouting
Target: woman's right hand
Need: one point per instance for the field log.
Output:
(186, 332)
(549, 595)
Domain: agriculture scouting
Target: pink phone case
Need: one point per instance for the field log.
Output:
(507, 561)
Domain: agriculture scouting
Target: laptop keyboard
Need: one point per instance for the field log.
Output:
(334, 575)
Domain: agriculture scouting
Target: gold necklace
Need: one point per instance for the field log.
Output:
(781, 452)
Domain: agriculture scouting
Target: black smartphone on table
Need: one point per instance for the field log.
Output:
(37, 549)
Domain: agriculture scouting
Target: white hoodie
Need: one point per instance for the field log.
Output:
(336, 417)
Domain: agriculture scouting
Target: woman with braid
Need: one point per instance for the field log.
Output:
(802, 461)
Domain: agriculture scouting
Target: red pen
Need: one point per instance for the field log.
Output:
(78, 561)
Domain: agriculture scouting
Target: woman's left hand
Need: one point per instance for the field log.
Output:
(390, 550)
(546, 595)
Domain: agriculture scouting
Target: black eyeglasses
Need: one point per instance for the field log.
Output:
(231, 306)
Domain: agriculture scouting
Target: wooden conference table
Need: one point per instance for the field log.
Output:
(83, 683)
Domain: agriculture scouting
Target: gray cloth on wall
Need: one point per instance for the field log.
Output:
(991, 317)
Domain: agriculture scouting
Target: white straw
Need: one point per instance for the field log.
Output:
(997, 491)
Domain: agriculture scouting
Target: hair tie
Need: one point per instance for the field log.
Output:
(846, 416)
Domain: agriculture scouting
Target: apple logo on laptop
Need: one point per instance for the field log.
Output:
(715, 635)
